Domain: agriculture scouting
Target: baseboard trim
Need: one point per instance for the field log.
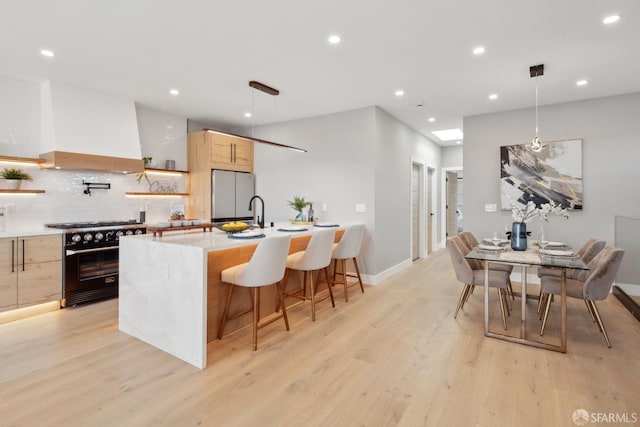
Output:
(376, 279)
(627, 301)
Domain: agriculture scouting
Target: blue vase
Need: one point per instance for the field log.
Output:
(519, 236)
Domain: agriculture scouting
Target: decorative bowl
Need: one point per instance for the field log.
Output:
(187, 222)
(234, 227)
(163, 224)
(176, 223)
(196, 222)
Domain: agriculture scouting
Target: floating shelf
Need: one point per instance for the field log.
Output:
(147, 193)
(13, 159)
(22, 191)
(165, 170)
(160, 230)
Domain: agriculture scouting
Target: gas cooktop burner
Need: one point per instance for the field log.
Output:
(91, 224)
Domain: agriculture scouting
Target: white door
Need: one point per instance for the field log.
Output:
(415, 212)
(452, 203)
(429, 211)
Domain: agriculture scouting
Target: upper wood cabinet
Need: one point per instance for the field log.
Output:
(230, 153)
(207, 151)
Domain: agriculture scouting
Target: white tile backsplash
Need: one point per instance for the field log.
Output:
(64, 199)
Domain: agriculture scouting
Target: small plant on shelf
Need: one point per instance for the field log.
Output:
(298, 204)
(143, 175)
(17, 174)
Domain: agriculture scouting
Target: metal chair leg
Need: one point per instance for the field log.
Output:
(462, 299)
(590, 310)
(546, 313)
(599, 320)
(503, 307)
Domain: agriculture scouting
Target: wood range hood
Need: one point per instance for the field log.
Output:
(68, 160)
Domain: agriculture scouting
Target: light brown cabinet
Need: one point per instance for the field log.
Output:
(207, 151)
(30, 270)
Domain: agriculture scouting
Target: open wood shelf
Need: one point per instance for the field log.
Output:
(22, 191)
(147, 193)
(21, 160)
(160, 230)
(165, 170)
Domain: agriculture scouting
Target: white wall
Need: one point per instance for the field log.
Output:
(609, 128)
(452, 156)
(64, 200)
(163, 137)
(356, 157)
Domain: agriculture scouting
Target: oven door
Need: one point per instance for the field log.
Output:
(90, 274)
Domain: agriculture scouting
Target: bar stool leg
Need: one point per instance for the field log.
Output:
(223, 321)
(343, 262)
(329, 285)
(256, 316)
(355, 264)
(313, 296)
(284, 308)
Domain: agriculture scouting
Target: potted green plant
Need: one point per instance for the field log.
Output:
(298, 204)
(143, 175)
(14, 177)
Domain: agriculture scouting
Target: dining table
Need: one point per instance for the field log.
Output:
(561, 257)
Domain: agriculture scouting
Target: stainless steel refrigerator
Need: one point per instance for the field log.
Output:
(231, 192)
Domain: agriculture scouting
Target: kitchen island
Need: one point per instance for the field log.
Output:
(171, 295)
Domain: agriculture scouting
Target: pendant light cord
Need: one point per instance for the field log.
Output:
(536, 106)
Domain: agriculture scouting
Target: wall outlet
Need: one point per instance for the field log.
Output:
(324, 207)
(361, 208)
(490, 207)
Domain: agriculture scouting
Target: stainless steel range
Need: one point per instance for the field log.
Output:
(91, 250)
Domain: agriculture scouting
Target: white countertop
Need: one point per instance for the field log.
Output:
(26, 232)
(217, 239)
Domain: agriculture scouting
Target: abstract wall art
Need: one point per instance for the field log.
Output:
(552, 174)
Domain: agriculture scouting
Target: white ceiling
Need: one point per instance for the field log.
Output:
(210, 50)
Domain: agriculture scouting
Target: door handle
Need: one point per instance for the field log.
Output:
(22, 254)
(13, 257)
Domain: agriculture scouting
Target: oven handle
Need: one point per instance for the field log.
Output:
(86, 251)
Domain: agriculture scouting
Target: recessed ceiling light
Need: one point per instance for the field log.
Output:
(334, 39)
(581, 82)
(47, 53)
(247, 114)
(448, 134)
(432, 119)
(174, 92)
(399, 92)
(479, 50)
(458, 142)
(611, 19)
(493, 96)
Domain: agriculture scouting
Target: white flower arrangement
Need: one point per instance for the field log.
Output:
(530, 211)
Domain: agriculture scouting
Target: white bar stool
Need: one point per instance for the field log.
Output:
(348, 248)
(266, 267)
(316, 257)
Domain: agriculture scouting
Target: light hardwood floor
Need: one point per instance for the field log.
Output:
(392, 356)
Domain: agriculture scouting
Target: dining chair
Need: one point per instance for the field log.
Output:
(471, 242)
(266, 267)
(590, 285)
(586, 253)
(475, 277)
(348, 249)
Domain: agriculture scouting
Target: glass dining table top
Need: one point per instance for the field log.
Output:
(531, 256)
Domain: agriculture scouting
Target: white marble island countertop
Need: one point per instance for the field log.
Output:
(218, 239)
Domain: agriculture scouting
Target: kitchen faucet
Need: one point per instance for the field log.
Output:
(260, 220)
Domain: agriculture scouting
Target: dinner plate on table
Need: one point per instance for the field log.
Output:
(557, 252)
(293, 228)
(490, 247)
(490, 241)
(326, 224)
(247, 235)
(555, 244)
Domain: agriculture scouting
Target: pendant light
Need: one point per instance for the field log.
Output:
(536, 71)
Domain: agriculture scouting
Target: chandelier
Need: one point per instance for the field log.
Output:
(536, 71)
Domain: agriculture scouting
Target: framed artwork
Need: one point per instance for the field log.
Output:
(552, 174)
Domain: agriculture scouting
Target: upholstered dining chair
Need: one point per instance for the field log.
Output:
(348, 248)
(266, 267)
(475, 277)
(587, 252)
(590, 285)
(471, 242)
